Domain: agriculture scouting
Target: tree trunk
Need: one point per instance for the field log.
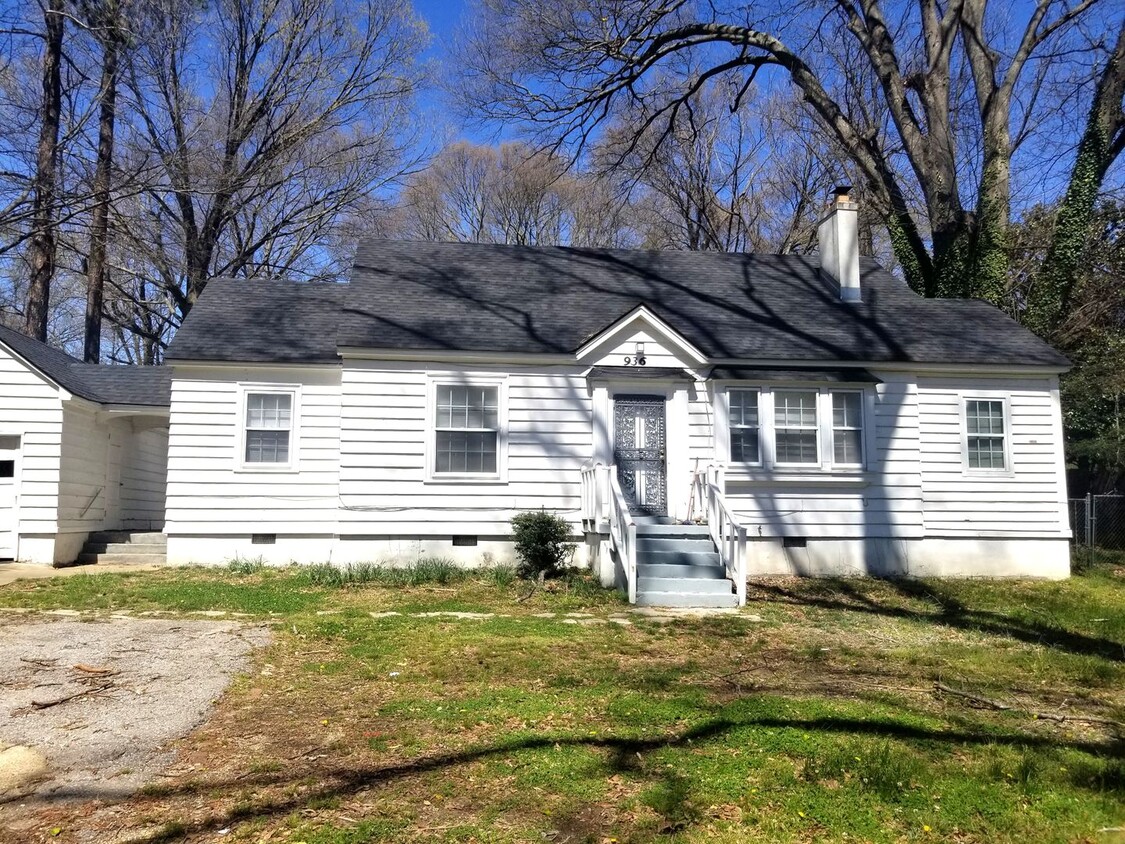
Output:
(41, 254)
(99, 227)
(1101, 143)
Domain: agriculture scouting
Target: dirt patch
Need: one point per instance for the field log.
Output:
(101, 700)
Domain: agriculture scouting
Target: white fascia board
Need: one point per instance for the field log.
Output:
(899, 366)
(447, 356)
(120, 410)
(659, 326)
(236, 364)
(64, 394)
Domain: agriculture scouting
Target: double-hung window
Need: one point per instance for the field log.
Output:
(745, 439)
(467, 429)
(806, 428)
(986, 432)
(795, 426)
(847, 428)
(268, 429)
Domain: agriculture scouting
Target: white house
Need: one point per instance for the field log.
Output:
(819, 416)
(83, 448)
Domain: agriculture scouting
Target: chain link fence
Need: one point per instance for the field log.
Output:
(1098, 521)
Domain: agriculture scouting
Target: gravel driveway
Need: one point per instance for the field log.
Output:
(99, 701)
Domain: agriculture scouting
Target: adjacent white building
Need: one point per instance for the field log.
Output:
(820, 419)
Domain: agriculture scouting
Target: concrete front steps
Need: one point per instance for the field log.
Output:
(125, 548)
(677, 566)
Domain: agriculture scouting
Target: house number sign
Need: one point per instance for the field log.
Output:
(637, 360)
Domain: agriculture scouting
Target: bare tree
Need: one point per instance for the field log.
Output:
(107, 23)
(1101, 144)
(42, 250)
(508, 194)
(561, 66)
(256, 144)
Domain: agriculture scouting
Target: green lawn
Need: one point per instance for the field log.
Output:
(820, 721)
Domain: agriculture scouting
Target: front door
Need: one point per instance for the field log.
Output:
(638, 450)
(9, 453)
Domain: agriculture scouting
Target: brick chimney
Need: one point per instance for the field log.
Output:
(838, 239)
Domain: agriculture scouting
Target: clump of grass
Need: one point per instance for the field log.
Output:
(427, 570)
(887, 770)
(500, 576)
(245, 565)
(438, 570)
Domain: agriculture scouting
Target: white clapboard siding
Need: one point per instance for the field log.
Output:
(885, 500)
(1028, 499)
(208, 491)
(144, 479)
(83, 492)
(701, 428)
(623, 345)
(384, 483)
(32, 410)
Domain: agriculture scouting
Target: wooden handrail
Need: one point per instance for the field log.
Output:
(728, 534)
(623, 533)
(90, 503)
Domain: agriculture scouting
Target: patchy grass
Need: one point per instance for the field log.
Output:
(538, 717)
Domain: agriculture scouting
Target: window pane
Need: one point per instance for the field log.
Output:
(794, 408)
(467, 407)
(845, 410)
(744, 407)
(7, 468)
(796, 446)
(466, 451)
(744, 445)
(268, 410)
(267, 446)
(984, 417)
(9, 442)
(847, 446)
(986, 452)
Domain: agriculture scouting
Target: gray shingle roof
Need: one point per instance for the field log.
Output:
(262, 321)
(527, 300)
(149, 386)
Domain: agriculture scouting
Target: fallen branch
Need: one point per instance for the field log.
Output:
(94, 670)
(535, 584)
(42, 663)
(988, 703)
(47, 704)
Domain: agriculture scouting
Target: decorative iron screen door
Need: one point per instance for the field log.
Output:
(639, 438)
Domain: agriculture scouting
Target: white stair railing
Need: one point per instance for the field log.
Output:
(726, 532)
(623, 533)
(591, 499)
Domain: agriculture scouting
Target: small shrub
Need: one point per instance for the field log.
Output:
(245, 565)
(542, 546)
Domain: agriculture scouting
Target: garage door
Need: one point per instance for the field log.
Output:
(9, 458)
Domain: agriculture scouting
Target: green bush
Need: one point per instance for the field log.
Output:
(542, 545)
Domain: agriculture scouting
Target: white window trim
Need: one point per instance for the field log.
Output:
(500, 476)
(294, 393)
(767, 443)
(831, 420)
(818, 399)
(1005, 401)
(723, 418)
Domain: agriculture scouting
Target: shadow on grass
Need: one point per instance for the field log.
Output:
(624, 755)
(842, 594)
